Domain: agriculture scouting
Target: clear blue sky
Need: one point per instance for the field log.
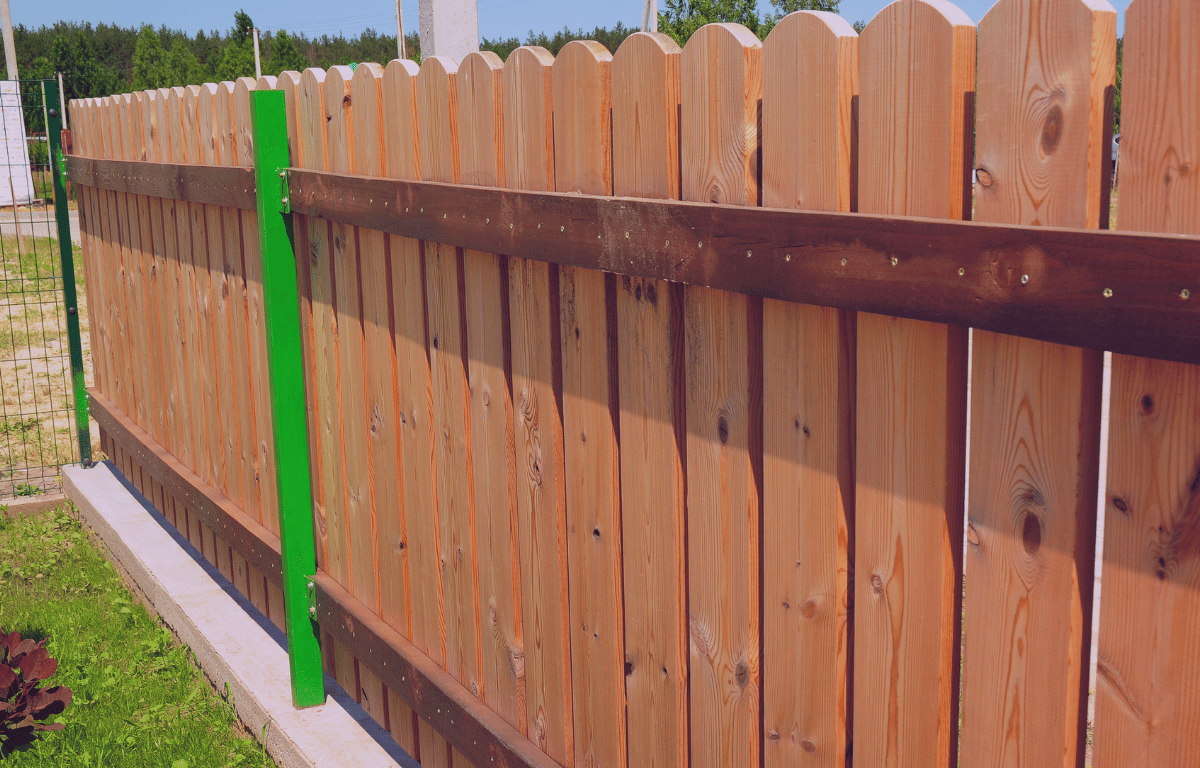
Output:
(497, 18)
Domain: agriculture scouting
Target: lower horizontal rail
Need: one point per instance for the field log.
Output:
(478, 733)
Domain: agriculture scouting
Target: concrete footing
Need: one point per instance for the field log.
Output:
(238, 649)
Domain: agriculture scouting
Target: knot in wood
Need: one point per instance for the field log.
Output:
(742, 674)
(877, 584)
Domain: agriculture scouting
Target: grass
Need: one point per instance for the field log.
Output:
(139, 698)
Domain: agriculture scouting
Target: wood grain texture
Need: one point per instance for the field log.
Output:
(437, 118)
(485, 290)
(191, 430)
(132, 266)
(231, 348)
(391, 572)
(351, 366)
(209, 278)
(916, 71)
(1046, 70)
(151, 225)
(118, 212)
(536, 382)
(721, 84)
(1147, 706)
(645, 108)
(582, 78)
(320, 241)
(810, 81)
(263, 448)
(80, 112)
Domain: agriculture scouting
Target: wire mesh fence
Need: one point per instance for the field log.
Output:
(37, 415)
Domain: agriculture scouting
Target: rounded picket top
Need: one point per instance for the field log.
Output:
(583, 118)
(400, 116)
(480, 122)
(366, 97)
(916, 70)
(645, 116)
(289, 82)
(144, 139)
(223, 127)
(810, 79)
(720, 84)
(310, 118)
(243, 123)
(337, 118)
(437, 119)
(266, 82)
(528, 119)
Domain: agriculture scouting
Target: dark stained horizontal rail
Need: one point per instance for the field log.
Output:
(248, 537)
(1129, 293)
(228, 186)
(1124, 292)
(480, 734)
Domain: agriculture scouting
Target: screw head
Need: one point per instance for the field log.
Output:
(1108, 293)
(961, 271)
(895, 261)
(1024, 279)
(844, 261)
(749, 254)
(1185, 294)
(787, 257)
(70, 310)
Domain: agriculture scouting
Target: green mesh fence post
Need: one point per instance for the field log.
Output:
(281, 306)
(63, 218)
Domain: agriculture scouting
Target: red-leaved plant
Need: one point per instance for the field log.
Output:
(23, 703)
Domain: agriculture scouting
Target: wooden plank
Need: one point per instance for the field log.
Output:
(231, 187)
(437, 128)
(141, 113)
(1147, 707)
(390, 557)
(210, 277)
(481, 735)
(489, 371)
(583, 163)
(721, 83)
(163, 224)
(224, 252)
(91, 231)
(402, 724)
(645, 151)
(237, 369)
(536, 382)
(916, 70)
(1046, 74)
(415, 403)
(118, 235)
(1086, 288)
(263, 449)
(331, 500)
(810, 81)
(358, 541)
(417, 529)
(180, 275)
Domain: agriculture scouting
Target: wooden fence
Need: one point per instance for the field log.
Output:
(636, 522)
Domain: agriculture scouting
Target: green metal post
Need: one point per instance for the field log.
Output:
(281, 304)
(63, 217)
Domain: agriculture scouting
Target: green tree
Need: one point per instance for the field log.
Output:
(683, 17)
(185, 68)
(237, 57)
(283, 55)
(151, 68)
(84, 75)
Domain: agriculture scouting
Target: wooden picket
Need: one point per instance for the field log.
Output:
(643, 523)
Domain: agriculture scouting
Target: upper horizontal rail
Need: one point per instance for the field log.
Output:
(1124, 292)
(229, 186)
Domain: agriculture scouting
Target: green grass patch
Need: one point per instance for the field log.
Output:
(139, 698)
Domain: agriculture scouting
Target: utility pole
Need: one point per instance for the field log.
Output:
(10, 48)
(257, 61)
(650, 16)
(449, 28)
(401, 51)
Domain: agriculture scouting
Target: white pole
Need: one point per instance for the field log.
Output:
(257, 61)
(401, 51)
(10, 48)
(449, 28)
(646, 16)
(62, 103)
(654, 16)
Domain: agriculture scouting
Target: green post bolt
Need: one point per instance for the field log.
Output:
(63, 217)
(281, 305)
